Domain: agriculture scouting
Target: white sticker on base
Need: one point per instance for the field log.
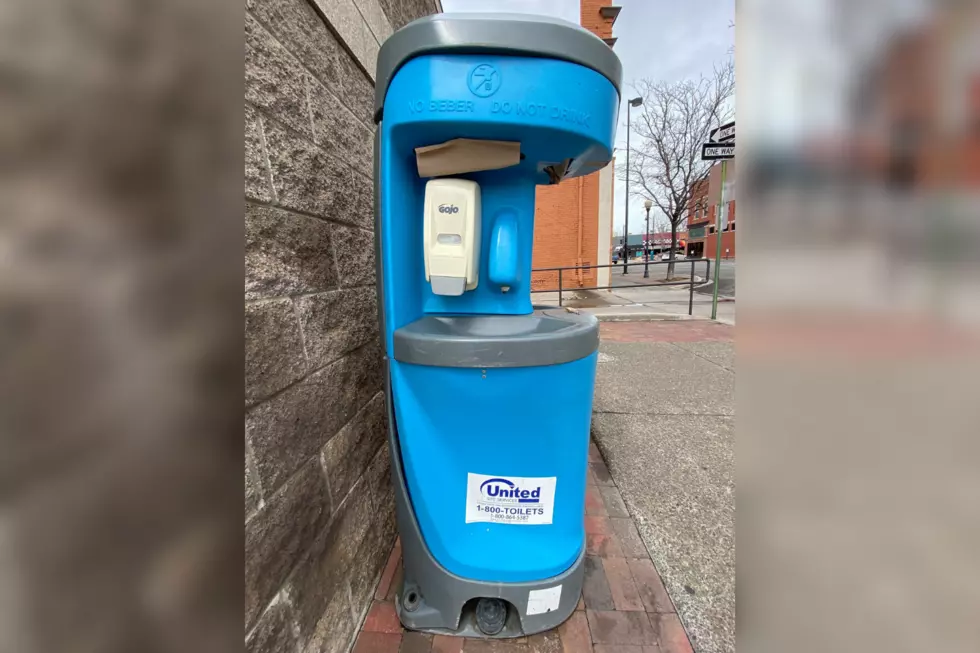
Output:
(541, 601)
(517, 500)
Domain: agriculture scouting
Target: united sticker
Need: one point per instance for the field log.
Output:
(519, 500)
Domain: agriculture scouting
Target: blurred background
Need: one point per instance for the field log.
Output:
(862, 141)
(857, 346)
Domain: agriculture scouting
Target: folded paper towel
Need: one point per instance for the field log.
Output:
(466, 155)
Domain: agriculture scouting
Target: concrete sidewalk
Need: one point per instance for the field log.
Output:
(671, 300)
(645, 303)
(664, 421)
(627, 301)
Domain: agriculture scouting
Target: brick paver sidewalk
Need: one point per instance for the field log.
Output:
(624, 607)
(665, 331)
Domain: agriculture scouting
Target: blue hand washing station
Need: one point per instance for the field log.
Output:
(489, 398)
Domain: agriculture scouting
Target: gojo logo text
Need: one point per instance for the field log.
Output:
(448, 208)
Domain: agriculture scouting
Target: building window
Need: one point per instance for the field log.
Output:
(711, 229)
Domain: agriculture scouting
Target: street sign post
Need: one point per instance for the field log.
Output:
(726, 197)
(720, 147)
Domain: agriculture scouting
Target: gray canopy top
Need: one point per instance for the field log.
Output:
(509, 34)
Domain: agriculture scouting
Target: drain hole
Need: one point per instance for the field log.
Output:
(412, 600)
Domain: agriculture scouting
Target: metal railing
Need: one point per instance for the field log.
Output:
(689, 282)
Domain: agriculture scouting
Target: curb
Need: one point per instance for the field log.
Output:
(642, 317)
(721, 298)
(698, 282)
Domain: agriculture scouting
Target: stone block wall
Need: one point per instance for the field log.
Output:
(319, 512)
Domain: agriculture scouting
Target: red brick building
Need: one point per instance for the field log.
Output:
(919, 109)
(573, 219)
(697, 218)
(702, 210)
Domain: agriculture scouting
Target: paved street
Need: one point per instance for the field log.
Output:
(682, 270)
(664, 421)
(658, 272)
(726, 280)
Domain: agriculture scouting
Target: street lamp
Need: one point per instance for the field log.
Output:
(646, 246)
(635, 102)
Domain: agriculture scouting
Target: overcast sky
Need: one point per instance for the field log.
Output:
(658, 39)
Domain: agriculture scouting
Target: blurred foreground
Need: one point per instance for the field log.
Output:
(121, 240)
(858, 343)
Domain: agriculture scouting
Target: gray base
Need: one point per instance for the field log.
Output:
(443, 595)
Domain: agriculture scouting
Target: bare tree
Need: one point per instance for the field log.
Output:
(675, 120)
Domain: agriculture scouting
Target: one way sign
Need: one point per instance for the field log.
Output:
(721, 143)
(717, 151)
(722, 134)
